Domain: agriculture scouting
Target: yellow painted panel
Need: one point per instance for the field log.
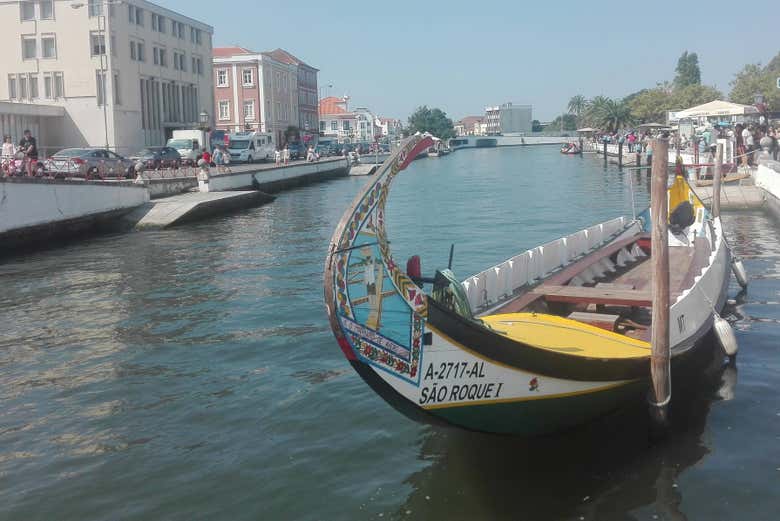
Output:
(566, 336)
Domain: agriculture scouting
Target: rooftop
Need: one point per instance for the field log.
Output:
(333, 105)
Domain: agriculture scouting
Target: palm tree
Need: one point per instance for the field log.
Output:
(613, 115)
(577, 105)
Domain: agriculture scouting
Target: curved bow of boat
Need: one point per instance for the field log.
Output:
(362, 281)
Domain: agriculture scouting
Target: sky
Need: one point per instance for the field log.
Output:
(462, 56)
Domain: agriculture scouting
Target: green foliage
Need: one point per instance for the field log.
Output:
(569, 123)
(577, 105)
(434, 121)
(536, 126)
(650, 105)
(753, 79)
(688, 72)
(692, 95)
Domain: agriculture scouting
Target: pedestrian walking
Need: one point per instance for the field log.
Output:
(278, 157)
(286, 155)
(29, 147)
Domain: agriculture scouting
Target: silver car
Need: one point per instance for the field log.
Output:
(89, 163)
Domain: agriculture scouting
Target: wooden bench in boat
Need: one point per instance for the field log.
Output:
(571, 271)
(598, 295)
(602, 320)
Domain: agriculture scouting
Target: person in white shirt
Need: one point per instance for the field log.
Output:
(277, 156)
(750, 145)
(286, 155)
(7, 154)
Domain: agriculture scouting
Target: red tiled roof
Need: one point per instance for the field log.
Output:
(332, 105)
(469, 121)
(283, 56)
(226, 52)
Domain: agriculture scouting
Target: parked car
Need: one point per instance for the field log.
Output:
(155, 158)
(89, 163)
(296, 150)
(324, 150)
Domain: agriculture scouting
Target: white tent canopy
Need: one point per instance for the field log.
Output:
(587, 129)
(717, 108)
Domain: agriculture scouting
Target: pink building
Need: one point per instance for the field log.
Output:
(262, 91)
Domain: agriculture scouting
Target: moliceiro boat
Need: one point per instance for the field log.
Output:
(548, 339)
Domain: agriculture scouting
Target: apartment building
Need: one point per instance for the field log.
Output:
(470, 126)
(264, 91)
(390, 127)
(98, 73)
(508, 118)
(347, 126)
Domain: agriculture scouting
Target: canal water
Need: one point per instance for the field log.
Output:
(191, 374)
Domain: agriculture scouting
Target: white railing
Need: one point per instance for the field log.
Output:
(501, 282)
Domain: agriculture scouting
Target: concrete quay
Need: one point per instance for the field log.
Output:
(192, 206)
(734, 197)
(270, 178)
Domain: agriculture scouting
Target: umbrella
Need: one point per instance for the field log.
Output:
(653, 125)
(587, 129)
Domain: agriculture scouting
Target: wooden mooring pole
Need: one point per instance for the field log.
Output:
(605, 152)
(660, 393)
(717, 176)
(620, 155)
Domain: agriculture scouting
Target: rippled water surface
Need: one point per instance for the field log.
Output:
(190, 373)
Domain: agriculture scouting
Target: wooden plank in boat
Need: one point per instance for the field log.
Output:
(583, 295)
(602, 320)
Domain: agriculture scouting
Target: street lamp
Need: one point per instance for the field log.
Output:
(103, 55)
(203, 119)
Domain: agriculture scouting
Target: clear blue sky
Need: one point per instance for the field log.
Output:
(461, 56)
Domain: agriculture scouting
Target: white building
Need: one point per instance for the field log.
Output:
(93, 73)
(508, 118)
(390, 127)
(337, 121)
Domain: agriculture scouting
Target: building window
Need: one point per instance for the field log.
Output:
(22, 86)
(100, 84)
(249, 110)
(48, 46)
(194, 68)
(59, 85)
(197, 36)
(33, 86)
(139, 16)
(248, 77)
(141, 51)
(224, 110)
(97, 43)
(345, 125)
(183, 62)
(200, 66)
(47, 9)
(117, 90)
(322, 126)
(48, 84)
(11, 86)
(131, 13)
(95, 8)
(28, 10)
(29, 48)
(133, 55)
(334, 125)
(222, 78)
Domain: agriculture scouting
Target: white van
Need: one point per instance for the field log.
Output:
(247, 147)
(190, 144)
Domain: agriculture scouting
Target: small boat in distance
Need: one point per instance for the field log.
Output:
(571, 148)
(549, 339)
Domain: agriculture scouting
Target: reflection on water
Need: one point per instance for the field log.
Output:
(191, 374)
(607, 470)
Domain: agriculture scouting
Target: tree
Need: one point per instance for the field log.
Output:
(433, 121)
(611, 115)
(536, 126)
(577, 105)
(692, 95)
(569, 123)
(650, 105)
(754, 79)
(688, 72)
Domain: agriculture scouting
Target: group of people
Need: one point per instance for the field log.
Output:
(219, 159)
(19, 159)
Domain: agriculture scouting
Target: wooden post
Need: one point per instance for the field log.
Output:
(716, 179)
(605, 152)
(620, 155)
(660, 393)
